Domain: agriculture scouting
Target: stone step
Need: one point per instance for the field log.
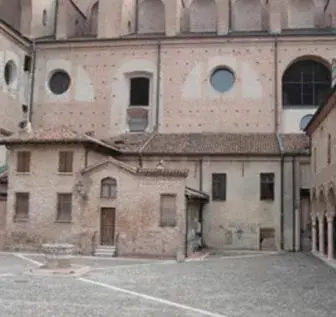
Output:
(106, 251)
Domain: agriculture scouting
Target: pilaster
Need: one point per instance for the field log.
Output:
(173, 11)
(109, 18)
(314, 233)
(276, 11)
(223, 16)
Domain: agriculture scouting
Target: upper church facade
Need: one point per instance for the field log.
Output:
(112, 67)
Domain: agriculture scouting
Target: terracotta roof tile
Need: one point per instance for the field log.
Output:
(130, 143)
(295, 143)
(214, 143)
(60, 134)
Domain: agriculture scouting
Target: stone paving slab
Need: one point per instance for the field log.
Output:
(289, 285)
(97, 262)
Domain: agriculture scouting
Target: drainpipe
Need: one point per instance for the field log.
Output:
(202, 204)
(136, 17)
(186, 228)
(282, 190)
(31, 98)
(158, 84)
(276, 72)
(56, 17)
(294, 202)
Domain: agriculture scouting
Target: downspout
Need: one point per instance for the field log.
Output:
(186, 228)
(202, 204)
(294, 201)
(158, 84)
(276, 72)
(282, 186)
(32, 90)
(136, 17)
(56, 17)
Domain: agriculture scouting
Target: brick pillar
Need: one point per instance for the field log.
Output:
(321, 234)
(173, 11)
(276, 10)
(331, 236)
(223, 16)
(314, 237)
(110, 18)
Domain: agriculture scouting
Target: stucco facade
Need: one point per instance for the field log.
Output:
(107, 69)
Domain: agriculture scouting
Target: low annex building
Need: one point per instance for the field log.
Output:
(154, 194)
(322, 131)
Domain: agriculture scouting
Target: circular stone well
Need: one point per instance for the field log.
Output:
(58, 256)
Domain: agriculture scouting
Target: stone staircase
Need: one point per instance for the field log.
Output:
(105, 251)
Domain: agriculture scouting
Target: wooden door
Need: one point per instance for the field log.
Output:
(107, 226)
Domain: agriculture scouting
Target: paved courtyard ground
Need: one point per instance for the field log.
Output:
(286, 285)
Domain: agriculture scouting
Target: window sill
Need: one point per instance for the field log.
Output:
(64, 221)
(65, 173)
(22, 173)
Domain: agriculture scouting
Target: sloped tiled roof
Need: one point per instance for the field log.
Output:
(295, 143)
(138, 171)
(60, 134)
(200, 143)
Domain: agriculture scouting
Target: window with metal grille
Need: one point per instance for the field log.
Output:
(108, 188)
(21, 206)
(65, 164)
(219, 186)
(23, 162)
(168, 210)
(267, 186)
(64, 207)
(305, 83)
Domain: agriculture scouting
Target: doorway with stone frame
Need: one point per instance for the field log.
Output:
(107, 226)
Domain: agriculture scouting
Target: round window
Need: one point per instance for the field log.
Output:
(59, 82)
(10, 72)
(222, 79)
(305, 121)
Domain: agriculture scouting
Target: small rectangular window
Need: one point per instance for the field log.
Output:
(168, 212)
(267, 186)
(219, 186)
(64, 207)
(21, 206)
(139, 91)
(23, 162)
(65, 164)
(27, 63)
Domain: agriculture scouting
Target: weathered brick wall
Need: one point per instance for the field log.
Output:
(203, 16)
(137, 206)
(151, 16)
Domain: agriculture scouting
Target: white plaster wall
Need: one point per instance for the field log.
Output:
(291, 119)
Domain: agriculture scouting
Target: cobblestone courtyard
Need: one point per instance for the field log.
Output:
(288, 285)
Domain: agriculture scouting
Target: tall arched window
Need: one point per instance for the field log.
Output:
(305, 83)
(108, 188)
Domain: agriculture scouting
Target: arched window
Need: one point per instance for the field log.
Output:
(305, 83)
(108, 188)
(94, 19)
